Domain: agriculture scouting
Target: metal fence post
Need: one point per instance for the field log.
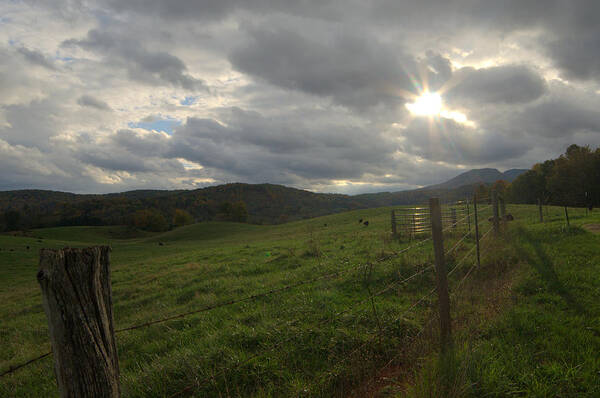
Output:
(495, 208)
(453, 215)
(476, 229)
(441, 273)
(541, 212)
(393, 223)
(468, 216)
(502, 205)
(567, 216)
(77, 300)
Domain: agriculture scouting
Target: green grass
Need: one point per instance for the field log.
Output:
(546, 342)
(294, 343)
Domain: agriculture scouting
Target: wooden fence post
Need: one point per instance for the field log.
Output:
(495, 208)
(393, 223)
(567, 216)
(77, 299)
(441, 273)
(476, 229)
(541, 212)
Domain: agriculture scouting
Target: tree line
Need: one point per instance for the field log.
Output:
(572, 179)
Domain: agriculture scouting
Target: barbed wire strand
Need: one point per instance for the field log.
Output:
(376, 335)
(338, 273)
(266, 293)
(319, 324)
(11, 369)
(14, 368)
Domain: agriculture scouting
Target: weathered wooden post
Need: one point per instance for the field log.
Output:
(441, 273)
(495, 219)
(476, 229)
(541, 212)
(393, 223)
(77, 299)
(567, 216)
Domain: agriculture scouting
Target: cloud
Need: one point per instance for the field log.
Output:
(353, 70)
(152, 67)
(88, 100)
(506, 84)
(303, 93)
(447, 141)
(36, 58)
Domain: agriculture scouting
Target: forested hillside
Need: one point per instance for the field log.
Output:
(573, 179)
(157, 210)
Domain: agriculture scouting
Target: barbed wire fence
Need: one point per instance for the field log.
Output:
(460, 221)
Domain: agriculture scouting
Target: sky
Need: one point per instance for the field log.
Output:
(330, 96)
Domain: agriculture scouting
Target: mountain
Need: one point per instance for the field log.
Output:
(478, 176)
(265, 203)
(512, 174)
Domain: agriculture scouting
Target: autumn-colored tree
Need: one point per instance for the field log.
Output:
(574, 178)
(233, 211)
(150, 220)
(182, 217)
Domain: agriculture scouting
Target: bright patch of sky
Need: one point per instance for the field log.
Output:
(189, 100)
(164, 125)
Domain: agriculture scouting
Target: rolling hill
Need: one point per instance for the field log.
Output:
(265, 203)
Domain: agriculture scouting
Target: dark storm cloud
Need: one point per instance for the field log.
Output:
(578, 55)
(89, 101)
(354, 70)
(450, 142)
(154, 67)
(563, 113)
(259, 148)
(508, 84)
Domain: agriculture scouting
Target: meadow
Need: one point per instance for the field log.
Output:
(349, 309)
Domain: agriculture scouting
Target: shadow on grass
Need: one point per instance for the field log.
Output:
(542, 263)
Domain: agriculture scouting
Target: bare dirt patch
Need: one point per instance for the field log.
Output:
(593, 228)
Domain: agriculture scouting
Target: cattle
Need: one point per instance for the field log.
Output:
(366, 223)
(360, 221)
(507, 217)
(161, 244)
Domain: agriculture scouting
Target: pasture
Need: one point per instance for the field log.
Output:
(328, 337)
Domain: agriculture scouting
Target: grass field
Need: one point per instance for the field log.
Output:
(325, 338)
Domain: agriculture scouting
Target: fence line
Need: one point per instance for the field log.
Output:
(338, 273)
(319, 324)
(333, 276)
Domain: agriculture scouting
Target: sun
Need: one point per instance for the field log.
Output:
(428, 104)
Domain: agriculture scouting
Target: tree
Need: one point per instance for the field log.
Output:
(150, 220)
(572, 176)
(11, 219)
(182, 217)
(233, 211)
(239, 212)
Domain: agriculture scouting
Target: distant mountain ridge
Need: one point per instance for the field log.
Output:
(265, 203)
(478, 176)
